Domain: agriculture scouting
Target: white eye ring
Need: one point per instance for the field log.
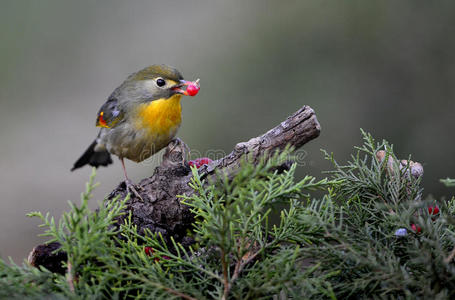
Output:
(160, 82)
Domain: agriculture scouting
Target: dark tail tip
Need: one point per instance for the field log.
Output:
(93, 158)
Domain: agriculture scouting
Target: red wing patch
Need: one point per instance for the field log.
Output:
(101, 121)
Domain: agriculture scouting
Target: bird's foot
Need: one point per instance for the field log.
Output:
(177, 142)
(175, 153)
(130, 188)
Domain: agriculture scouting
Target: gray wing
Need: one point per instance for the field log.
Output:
(110, 114)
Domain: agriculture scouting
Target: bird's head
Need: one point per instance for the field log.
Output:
(156, 82)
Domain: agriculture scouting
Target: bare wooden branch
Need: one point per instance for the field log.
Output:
(297, 130)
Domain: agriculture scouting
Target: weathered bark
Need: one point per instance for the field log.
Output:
(44, 255)
(160, 210)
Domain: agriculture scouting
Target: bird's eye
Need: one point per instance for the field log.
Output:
(160, 82)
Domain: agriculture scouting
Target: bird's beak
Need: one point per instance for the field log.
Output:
(178, 87)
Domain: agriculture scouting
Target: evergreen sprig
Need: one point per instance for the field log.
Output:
(232, 216)
(449, 182)
(260, 235)
(385, 243)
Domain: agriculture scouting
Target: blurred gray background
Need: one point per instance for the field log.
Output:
(384, 66)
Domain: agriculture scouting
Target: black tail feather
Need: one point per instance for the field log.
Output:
(93, 158)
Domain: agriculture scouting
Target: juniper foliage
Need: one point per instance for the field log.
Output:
(260, 235)
(449, 182)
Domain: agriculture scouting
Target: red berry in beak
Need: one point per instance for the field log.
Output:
(192, 89)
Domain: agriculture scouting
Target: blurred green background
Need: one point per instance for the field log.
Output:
(384, 66)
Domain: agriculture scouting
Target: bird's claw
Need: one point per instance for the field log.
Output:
(177, 142)
(175, 153)
(132, 190)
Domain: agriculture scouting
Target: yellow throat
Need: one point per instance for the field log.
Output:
(160, 117)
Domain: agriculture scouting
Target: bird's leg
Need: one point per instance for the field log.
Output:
(129, 185)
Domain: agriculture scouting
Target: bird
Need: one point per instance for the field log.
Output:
(139, 118)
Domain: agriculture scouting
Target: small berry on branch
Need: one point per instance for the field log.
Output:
(199, 162)
(151, 252)
(433, 210)
(416, 228)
